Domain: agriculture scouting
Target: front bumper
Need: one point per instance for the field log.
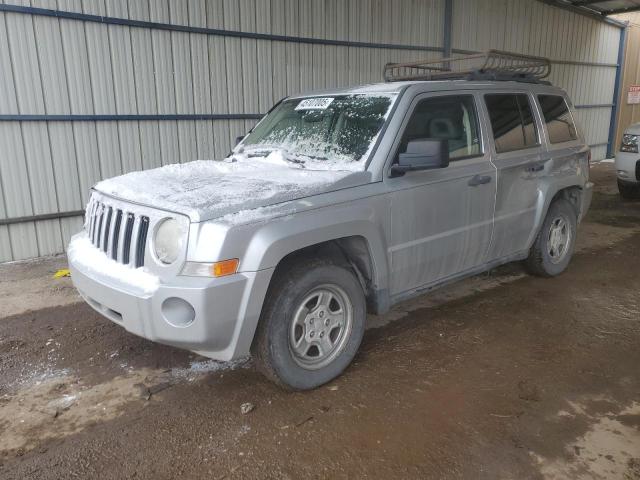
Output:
(628, 167)
(221, 324)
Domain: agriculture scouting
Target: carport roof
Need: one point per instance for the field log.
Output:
(600, 7)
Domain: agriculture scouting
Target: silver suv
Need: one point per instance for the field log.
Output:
(337, 204)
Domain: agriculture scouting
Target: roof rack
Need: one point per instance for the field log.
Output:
(489, 65)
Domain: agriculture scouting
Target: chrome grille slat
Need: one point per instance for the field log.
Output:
(120, 234)
(101, 226)
(141, 242)
(115, 237)
(126, 244)
(107, 230)
(97, 233)
(120, 252)
(88, 216)
(92, 220)
(134, 242)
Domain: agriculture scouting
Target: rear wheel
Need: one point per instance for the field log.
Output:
(553, 247)
(312, 324)
(628, 191)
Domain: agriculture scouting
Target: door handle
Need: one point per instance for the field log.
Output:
(538, 167)
(478, 180)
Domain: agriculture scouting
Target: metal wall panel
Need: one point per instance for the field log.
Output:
(63, 66)
(539, 29)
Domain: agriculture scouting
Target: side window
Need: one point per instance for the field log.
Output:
(557, 117)
(451, 118)
(512, 122)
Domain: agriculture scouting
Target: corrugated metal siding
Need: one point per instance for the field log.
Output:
(54, 66)
(538, 29)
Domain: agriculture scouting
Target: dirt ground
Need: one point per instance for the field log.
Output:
(500, 376)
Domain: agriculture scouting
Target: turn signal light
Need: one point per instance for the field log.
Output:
(225, 267)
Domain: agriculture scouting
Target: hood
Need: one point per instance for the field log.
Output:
(208, 189)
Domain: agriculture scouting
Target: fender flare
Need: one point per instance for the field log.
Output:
(279, 238)
(545, 197)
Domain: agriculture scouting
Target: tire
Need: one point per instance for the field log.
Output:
(298, 324)
(628, 191)
(550, 255)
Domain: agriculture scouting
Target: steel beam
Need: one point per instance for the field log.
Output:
(582, 3)
(613, 124)
(37, 218)
(622, 10)
(126, 117)
(584, 11)
(447, 41)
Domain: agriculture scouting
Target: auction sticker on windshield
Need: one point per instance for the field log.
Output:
(314, 103)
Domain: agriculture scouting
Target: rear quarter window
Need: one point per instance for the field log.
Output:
(558, 119)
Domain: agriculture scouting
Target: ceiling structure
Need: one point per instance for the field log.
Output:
(599, 7)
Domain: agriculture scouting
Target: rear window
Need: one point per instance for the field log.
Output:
(557, 117)
(511, 121)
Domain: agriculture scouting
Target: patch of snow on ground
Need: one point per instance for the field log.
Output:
(88, 258)
(40, 375)
(196, 369)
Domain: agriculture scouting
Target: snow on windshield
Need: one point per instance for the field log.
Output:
(303, 147)
(321, 133)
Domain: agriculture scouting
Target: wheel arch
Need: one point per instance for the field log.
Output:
(352, 234)
(571, 192)
(355, 229)
(572, 195)
(353, 252)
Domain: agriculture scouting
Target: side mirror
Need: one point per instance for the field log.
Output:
(422, 154)
(239, 139)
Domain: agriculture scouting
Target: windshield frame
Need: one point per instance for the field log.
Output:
(366, 159)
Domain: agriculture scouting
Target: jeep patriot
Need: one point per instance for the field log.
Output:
(337, 204)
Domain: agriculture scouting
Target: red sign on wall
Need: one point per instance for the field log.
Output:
(634, 95)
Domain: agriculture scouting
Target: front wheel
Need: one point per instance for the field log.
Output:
(553, 247)
(312, 324)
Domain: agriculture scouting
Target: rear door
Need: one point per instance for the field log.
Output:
(518, 154)
(441, 219)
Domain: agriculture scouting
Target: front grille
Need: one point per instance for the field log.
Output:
(124, 244)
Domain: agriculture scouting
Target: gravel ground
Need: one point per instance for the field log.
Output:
(499, 376)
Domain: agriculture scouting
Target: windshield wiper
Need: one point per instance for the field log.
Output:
(314, 157)
(260, 148)
(265, 150)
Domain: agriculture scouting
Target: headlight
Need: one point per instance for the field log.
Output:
(629, 143)
(168, 241)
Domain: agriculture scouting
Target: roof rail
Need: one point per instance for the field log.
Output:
(489, 65)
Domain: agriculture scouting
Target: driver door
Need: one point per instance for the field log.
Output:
(441, 219)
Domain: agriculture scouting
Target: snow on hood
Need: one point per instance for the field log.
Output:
(207, 189)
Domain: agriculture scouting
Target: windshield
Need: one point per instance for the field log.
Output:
(328, 133)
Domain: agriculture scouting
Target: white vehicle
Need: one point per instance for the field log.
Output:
(628, 163)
